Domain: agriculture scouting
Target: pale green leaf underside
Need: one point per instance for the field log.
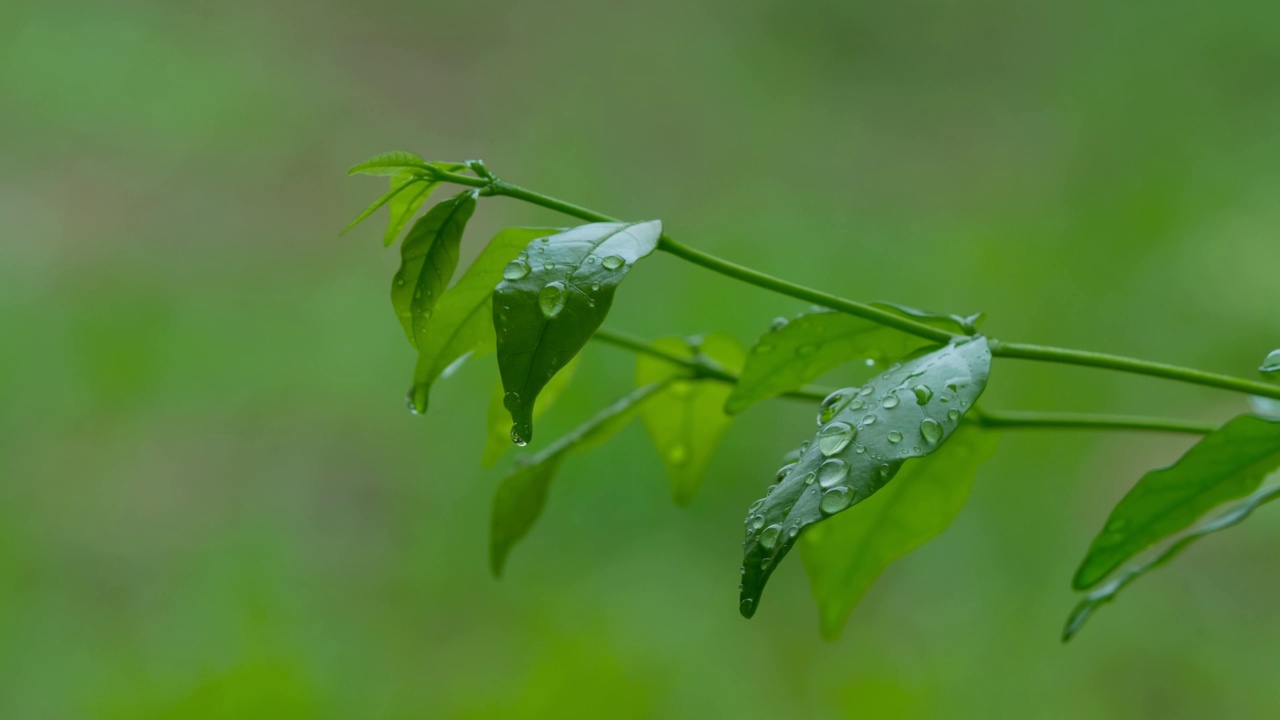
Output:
(428, 257)
(907, 412)
(404, 205)
(557, 294)
(521, 496)
(1228, 463)
(462, 320)
(389, 163)
(815, 342)
(844, 555)
(1107, 592)
(498, 423)
(686, 420)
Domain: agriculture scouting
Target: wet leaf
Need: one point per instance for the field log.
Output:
(1226, 464)
(686, 420)
(428, 257)
(461, 325)
(498, 423)
(556, 295)
(804, 348)
(865, 436)
(844, 555)
(1107, 592)
(520, 497)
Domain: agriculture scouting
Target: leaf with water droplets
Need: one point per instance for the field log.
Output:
(686, 420)
(1107, 592)
(498, 435)
(798, 351)
(844, 555)
(389, 163)
(875, 451)
(1271, 364)
(543, 317)
(428, 257)
(461, 323)
(1226, 464)
(404, 205)
(521, 496)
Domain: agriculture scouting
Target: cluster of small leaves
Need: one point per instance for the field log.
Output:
(889, 467)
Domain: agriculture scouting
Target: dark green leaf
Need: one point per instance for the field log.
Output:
(687, 419)
(520, 498)
(398, 185)
(1108, 591)
(428, 257)
(391, 163)
(498, 422)
(553, 298)
(844, 555)
(795, 352)
(865, 436)
(404, 205)
(461, 326)
(1227, 464)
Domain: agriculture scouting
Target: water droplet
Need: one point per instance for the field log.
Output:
(859, 448)
(866, 390)
(869, 419)
(835, 500)
(769, 536)
(832, 472)
(756, 522)
(595, 287)
(548, 266)
(890, 401)
(613, 262)
(678, 455)
(408, 400)
(551, 299)
(924, 394)
(782, 472)
(755, 506)
(895, 436)
(931, 431)
(515, 270)
(855, 404)
(830, 406)
(810, 477)
(517, 437)
(778, 324)
(887, 472)
(869, 362)
(544, 239)
(804, 447)
(746, 605)
(1271, 365)
(953, 415)
(511, 401)
(763, 348)
(915, 449)
(591, 259)
(834, 437)
(793, 531)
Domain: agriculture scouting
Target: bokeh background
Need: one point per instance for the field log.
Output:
(214, 504)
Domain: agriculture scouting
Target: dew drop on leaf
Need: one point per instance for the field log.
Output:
(924, 394)
(778, 324)
(953, 415)
(835, 500)
(810, 477)
(551, 299)
(517, 437)
(867, 390)
(612, 262)
(895, 436)
(782, 472)
(769, 536)
(931, 430)
(1271, 365)
(515, 270)
(832, 472)
(868, 419)
(835, 437)
(830, 406)
(890, 401)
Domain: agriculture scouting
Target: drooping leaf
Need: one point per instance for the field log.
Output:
(686, 420)
(1226, 464)
(844, 555)
(556, 296)
(521, 496)
(390, 163)
(795, 352)
(498, 422)
(398, 185)
(1271, 364)
(1107, 592)
(865, 436)
(404, 205)
(960, 324)
(428, 257)
(461, 325)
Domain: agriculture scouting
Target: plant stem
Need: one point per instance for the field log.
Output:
(852, 307)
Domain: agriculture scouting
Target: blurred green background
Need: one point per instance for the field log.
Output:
(214, 504)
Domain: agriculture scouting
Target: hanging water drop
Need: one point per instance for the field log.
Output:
(931, 431)
(408, 400)
(515, 269)
(832, 472)
(511, 401)
(517, 437)
(835, 437)
(769, 536)
(835, 500)
(612, 262)
(551, 299)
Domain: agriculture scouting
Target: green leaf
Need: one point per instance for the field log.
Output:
(461, 326)
(865, 436)
(404, 205)
(498, 436)
(795, 352)
(398, 185)
(844, 555)
(1226, 464)
(687, 419)
(391, 163)
(1107, 592)
(428, 257)
(521, 496)
(554, 297)
(959, 324)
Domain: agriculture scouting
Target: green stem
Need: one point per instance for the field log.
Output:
(1027, 420)
(852, 307)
